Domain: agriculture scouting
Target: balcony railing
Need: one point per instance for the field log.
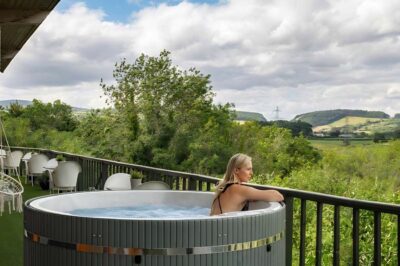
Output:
(95, 171)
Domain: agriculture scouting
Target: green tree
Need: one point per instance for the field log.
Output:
(15, 109)
(296, 127)
(274, 150)
(104, 134)
(213, 146)
(158, 101)
(62, 117)
(46, 116)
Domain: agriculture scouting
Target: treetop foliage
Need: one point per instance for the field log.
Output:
(160, 115)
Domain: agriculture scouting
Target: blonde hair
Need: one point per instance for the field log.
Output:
(236, 161)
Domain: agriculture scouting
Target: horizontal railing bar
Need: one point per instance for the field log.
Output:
(136, 166)
(336, 200)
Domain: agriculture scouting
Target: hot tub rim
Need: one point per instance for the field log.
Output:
(236, 214)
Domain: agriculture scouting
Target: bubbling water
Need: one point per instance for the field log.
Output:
(148, 211)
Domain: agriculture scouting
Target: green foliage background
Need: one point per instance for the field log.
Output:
(369, 172)
(165, 117)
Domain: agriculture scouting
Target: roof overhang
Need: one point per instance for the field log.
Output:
(18, 21)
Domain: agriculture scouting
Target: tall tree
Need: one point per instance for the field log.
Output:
(157, 100)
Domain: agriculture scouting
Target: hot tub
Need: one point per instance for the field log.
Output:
(54, 236)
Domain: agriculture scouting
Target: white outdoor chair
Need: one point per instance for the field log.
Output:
(36, 165)
(65, 176)
(12, 162)
(153, 185)
(49, 167)
(118, 181)
(26, 159)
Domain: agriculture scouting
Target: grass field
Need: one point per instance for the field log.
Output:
(322, 144)
(11, 227)
(353, 121)
(366, 125)
(387, 125)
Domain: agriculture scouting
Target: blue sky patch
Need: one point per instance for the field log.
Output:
(121, 10)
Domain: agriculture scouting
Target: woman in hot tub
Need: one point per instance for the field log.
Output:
(231, 195)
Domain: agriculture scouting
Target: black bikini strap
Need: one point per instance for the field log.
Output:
(219, 203)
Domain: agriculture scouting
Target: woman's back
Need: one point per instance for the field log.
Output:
(229, 200)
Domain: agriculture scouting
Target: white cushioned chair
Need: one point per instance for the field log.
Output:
(65, 176)
(36, 165)
(118, 181)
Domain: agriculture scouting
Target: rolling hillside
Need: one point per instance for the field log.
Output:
(7, 103)
(249, 116)
(320, 118)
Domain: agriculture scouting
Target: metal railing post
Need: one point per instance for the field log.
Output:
(289, 229)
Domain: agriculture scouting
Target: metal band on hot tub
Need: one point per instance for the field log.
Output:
(87, 248)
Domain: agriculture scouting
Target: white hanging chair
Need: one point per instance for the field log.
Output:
(11, 192)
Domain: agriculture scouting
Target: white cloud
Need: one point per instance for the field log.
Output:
(302, 56)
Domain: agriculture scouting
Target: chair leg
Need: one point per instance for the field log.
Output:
(26, 171)
(17, 173)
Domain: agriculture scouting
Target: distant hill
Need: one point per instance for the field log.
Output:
(6, 103)
(320, 118)
(249, 116)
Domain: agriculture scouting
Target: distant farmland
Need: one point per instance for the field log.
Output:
(353, 121)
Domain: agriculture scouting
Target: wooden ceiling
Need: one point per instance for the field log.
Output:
(18, 21)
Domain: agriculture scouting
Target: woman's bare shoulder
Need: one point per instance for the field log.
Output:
(250, 193)
(241, 189)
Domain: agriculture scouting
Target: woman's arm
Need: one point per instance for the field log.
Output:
(249, 193)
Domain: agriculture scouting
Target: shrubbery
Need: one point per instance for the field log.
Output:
(364, 172)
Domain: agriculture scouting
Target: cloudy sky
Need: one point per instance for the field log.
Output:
(299, 55)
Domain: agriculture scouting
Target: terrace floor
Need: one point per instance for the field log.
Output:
(11, 228)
